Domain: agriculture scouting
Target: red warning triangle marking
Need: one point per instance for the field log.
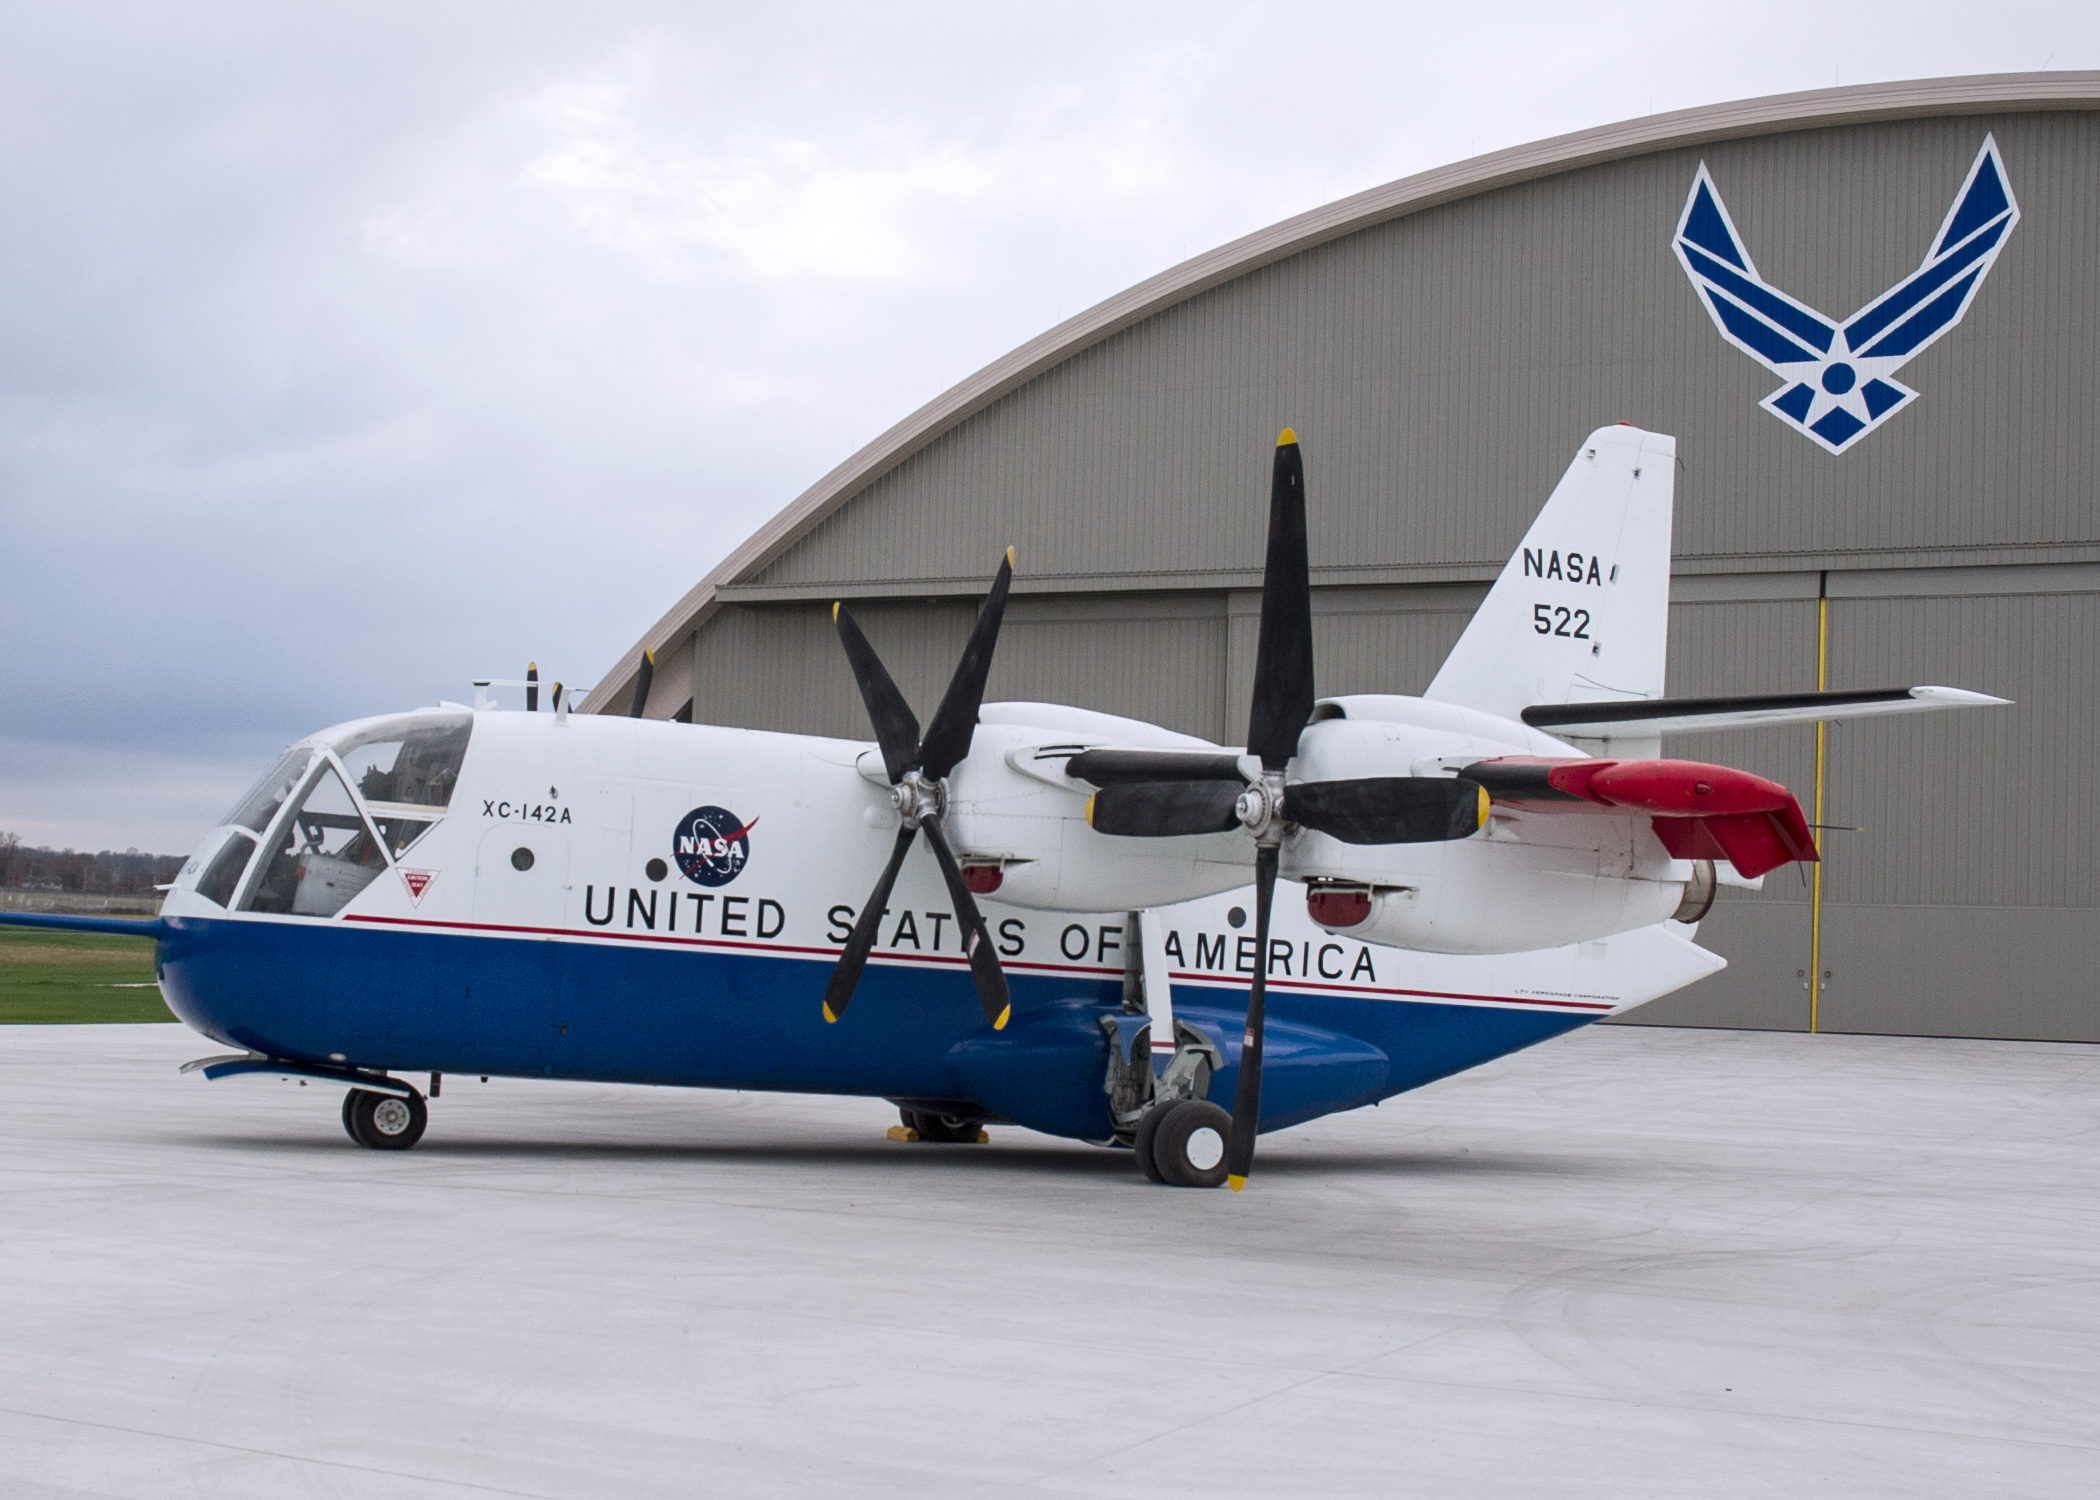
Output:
(417, 881)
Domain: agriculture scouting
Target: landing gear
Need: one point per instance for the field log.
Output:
(384, 1122)
(1182, 1143)
(947, 1130)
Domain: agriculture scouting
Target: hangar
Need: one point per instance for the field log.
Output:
(1442, 344)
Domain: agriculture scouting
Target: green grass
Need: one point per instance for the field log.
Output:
(55, 978)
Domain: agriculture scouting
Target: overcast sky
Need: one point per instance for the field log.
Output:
(350, 353)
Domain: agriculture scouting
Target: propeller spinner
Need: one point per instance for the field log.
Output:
(918, 770)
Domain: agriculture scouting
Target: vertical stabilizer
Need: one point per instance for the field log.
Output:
(1582, 612)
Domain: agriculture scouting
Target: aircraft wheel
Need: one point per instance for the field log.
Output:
(1148, 1127)
(948, 1130)
(1188, 1146)
(384, 1122)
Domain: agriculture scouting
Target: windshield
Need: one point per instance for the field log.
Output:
(255, 810)
(323, 856)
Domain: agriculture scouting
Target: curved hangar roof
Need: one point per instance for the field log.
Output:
(1444, 341)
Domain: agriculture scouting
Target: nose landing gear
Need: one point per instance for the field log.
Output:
(383, 1122)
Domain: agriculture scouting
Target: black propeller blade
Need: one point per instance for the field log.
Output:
(846, 974)
(917, 768)
(641, 685)
(1283, 656)
(1165, 809)
(1389, 809)
(1113, 767)
(896, 726)
(1246, 1098)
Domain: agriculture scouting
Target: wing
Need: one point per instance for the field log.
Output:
(1910, 315)
(1687, 715)
(1765, 323)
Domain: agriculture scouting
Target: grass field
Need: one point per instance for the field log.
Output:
(51, 978)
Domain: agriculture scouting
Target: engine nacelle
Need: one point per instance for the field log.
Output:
(1013, 811)
(1527, 880)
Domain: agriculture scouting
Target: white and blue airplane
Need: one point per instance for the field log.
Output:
(587, 896)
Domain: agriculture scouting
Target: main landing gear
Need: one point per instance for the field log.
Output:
(384, 1122)
(940, 1129)
(1181, 1143)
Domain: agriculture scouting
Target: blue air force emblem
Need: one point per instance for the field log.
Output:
(1840, 376)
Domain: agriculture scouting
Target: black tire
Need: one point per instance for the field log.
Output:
(384, 1122)
(1148, 1127)
(1188, 1146)
(946, 1130)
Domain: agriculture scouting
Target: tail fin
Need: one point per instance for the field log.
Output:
(1582, 612)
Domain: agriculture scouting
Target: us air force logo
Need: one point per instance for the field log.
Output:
(1840, 376)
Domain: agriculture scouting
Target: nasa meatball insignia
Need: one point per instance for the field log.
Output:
(712, 845)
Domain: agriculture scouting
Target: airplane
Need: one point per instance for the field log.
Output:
(474, 891)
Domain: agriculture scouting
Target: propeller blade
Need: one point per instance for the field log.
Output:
(955, 721)
(1246, 1099)
(1283, 658)
(1165, 809)
(642, 679)
(1114, 767)
(977, 941)
(846, 974)
(896, 726)
(532, 687)
(1389, 809)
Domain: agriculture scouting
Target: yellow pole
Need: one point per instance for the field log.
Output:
(1815, 899)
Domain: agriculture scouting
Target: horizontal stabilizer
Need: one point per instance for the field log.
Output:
(1687, 715)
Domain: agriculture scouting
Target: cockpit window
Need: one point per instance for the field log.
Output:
(260, 805)
(324, 854)
(408, 762)
(223, 875)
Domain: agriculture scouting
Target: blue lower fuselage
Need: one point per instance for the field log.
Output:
(417, 1001)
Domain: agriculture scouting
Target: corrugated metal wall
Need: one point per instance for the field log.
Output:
(1442, 370)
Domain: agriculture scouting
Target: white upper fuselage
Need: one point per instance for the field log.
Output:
(572, 824)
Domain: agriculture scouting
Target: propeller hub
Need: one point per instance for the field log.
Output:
(919, 796)
(1260, 808)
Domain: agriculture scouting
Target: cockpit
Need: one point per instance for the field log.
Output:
(335, 813)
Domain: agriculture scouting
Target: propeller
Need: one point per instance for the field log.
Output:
(642, 678)
(1173, 794)
(918, 770)
(532, 687)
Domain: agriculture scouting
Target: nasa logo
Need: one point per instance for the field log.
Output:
(712, 845)
(1840, 375)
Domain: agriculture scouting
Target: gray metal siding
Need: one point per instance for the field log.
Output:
(1442, 369)
(1970, 905)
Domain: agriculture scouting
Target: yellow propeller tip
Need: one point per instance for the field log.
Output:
(649, 657)
(1009, 557)
(1090, 810)
(532, 666)
(1004, 1017)
(1285, 438)
(829, 1018)
(834, 611)
(1235, 1183)
(1485, 804)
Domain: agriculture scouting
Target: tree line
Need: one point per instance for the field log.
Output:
(108, 873)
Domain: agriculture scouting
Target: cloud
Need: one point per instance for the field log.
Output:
(347, 356)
